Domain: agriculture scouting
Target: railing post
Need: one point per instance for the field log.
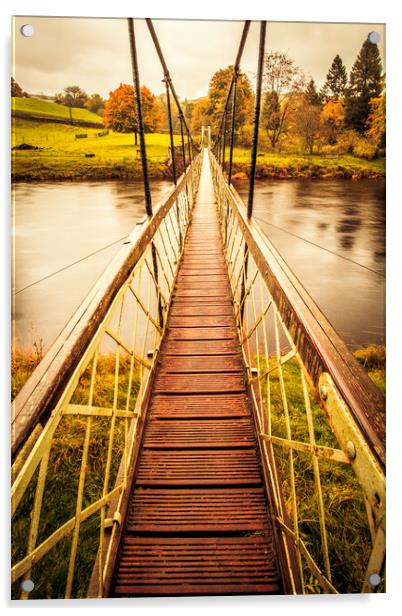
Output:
(170, 129)
(256, 118)
(183, 149)
(137, 89)
(224, 140)
(232, 128)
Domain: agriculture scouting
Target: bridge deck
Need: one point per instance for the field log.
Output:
(197, 519)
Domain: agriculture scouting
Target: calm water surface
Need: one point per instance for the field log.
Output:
(57, 224)
(346, 218)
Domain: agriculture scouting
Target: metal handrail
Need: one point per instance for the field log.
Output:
(282, 331)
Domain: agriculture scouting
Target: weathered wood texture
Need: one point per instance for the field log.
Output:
(198, 494)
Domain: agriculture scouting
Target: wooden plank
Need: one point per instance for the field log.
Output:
(219, 382)
(196, 406)
(208, 467)
(238, 565)
(200, 347)
(201, 363)
(201, 510)
(202, 333)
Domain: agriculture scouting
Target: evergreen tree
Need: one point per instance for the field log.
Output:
(311, 94)
(337, 79)
(365, 83)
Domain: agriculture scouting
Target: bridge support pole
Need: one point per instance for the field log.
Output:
(256, 118)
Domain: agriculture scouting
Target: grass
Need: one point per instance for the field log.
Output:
(59, 502)
(40, 108)
(283, 166)
(62, 156)
(348, 533)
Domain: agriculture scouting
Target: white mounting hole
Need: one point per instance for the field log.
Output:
(27, 585)
(374, 579)
(374, 37)
(27, 30)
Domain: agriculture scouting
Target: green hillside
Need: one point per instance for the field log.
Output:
(39, 108)
(59, 155)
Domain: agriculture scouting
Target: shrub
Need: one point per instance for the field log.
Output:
(365, 149)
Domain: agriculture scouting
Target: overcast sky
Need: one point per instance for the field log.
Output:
(94, 53)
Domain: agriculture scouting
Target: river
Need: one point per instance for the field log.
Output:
(339, 254)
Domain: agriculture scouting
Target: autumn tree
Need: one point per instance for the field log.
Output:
(332, 117)
(72, 96)
(337, 79)
(217, 94)
(120, 112)
(284, 78)
(365, 83)
(308, 125)
(376, 121)
(95, 103)
(199, 116)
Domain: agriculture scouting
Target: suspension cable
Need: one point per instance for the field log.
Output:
(137, 88)
(170, 130)
(303, 239)
(235, 74)
(66, 267)
(256, 123)
(168, 78)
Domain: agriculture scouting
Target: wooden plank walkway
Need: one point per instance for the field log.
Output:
(197, 520)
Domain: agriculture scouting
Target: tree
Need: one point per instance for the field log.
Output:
(95, 103)
(332, 116)
(286, 80)
(271, 111)
(376, 121)
(120, 112)
(188, 107)
(16, 90)
(217, 93)
(337, 79)
(311, 93)
(308, 124)
(365, 84)
(72, 96)
(199, 116)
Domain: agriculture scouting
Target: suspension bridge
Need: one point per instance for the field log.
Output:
(234, 411)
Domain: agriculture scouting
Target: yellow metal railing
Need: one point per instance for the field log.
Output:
(72, 477)
(319, 417)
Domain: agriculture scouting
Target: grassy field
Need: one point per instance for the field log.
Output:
(283, 166)
(39, 108)
(62, 155)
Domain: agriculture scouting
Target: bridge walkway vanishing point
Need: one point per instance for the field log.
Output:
(197, 520)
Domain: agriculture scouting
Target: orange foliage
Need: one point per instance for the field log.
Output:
(120, 110)
(334, 112)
